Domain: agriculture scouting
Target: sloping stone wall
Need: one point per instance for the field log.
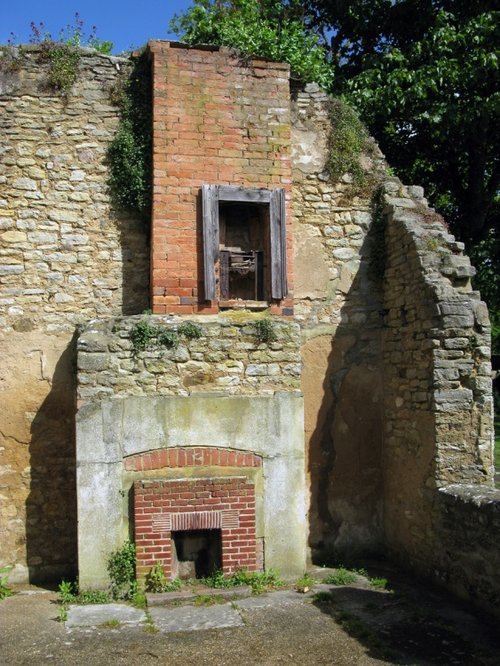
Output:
(439, 500)
(66, 257)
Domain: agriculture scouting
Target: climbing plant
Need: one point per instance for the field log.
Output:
(130, 151)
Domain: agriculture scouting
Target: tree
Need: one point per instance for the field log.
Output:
(266, 28)
(432, 101)
(424, 74)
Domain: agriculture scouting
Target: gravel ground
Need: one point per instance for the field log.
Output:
(349, 625)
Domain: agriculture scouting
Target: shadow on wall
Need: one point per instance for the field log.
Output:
(345, 446)
(51, 518)
(134, 242)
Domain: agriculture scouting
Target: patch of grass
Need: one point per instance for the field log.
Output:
(342, 576)
(305, 582)
(323, 597)
(208, 600)
(259, 581)
(379, 583)
(111, 624)
(5, 590)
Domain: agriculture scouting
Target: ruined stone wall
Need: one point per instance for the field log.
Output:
(228, 357)
(440, 509)
(66, 257)
(337, 304)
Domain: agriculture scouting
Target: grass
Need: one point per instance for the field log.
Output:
(342, 576)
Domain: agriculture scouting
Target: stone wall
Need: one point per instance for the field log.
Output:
(66, 257)
(337, 303)
(227, 356)
(438, 404)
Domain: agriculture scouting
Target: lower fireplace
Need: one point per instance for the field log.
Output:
(196, 526)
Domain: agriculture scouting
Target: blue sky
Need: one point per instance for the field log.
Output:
(126, 23)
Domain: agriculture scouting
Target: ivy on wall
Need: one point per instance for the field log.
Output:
(129, 154)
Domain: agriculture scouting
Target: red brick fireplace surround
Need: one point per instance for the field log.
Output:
(163, 508)
(221, 136)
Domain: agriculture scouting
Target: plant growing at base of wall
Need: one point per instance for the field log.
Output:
(5, 590)
(121, 570)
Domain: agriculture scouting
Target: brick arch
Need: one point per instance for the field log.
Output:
(195, 456)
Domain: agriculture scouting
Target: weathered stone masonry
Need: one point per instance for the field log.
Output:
(66, 257)
(395, 368)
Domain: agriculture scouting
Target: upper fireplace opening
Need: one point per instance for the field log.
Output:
(244, 244)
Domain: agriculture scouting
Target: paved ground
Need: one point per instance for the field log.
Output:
(351, 625)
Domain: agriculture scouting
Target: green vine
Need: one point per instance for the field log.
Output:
(130, 151)
(347, 140)
(145, 335)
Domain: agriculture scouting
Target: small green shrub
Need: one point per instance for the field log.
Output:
(265, 330)
(64, 61)
(142, 334)
(156, 580)
(342, 576)
(69, 593)
(304, 582)
(259, 581)
(379, 583)
(121, 570)
(168, 339)
(189, 330)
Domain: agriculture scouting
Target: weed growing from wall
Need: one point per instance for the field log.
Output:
(130, 151)
(63, 54)
(121, 570)
(265, 330)
(347, 140)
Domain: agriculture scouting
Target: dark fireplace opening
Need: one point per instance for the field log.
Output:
(196, 553)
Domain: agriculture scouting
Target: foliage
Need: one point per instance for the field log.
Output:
(486, 258)
(64, 61)
(69, 593)
(168, 339)
(130, 151)
(189, 330)
(379, 583)
(5, 590)
(266, 28)
(63, 53)
(121, 570)
(142, 334)
(72, 35)
(432, 101)
(265, 330)
(259, 581)
(342, 576)
(305, 582)
(347, 140)
(208, 599)
(156, 580)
